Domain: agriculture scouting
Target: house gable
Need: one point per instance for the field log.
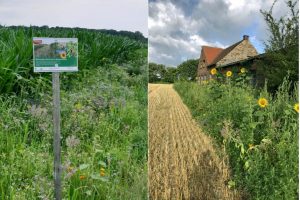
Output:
(241, 51)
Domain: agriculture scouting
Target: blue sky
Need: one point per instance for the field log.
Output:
(178, 28)
(128, 15)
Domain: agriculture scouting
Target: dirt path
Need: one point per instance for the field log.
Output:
(182, 161)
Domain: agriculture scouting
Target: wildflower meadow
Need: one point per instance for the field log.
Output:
(103, 118)
(257, 130)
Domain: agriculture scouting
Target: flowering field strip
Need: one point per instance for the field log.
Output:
(182, 161)
(258, 131)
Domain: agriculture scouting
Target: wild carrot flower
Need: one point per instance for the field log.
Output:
(296, 107)
(229, 73)
(213, 71)
(262, 102)
(72, 141)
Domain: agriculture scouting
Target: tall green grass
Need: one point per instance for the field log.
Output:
(262, 143)
(103, 119)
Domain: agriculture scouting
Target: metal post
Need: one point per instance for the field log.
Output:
(56, 140)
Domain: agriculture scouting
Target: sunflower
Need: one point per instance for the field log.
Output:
(296, 107)
(229, 73)
(63, 55)
(102, 172)
(243, 70)
(262, 102)
(213, 71)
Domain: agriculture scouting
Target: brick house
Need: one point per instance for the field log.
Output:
(240, 54)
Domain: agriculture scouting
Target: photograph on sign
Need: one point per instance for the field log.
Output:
(55, 54)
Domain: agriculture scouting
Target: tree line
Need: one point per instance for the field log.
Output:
(185, 71)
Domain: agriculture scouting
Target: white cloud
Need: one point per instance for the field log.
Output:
(179, 29)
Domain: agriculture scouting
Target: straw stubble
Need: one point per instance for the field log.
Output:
(182, 161)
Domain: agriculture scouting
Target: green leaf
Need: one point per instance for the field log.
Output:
(242, 149)
(98, 177)
(83, 166)
(102, 163)
(231, 184)
(253, 125)
(247, 165)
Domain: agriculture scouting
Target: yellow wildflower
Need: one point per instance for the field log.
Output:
(102, 172)
(262, 102)
(243, 70)
(229, 73)
(78, 106)
(296, 107)
(251, 146)
(213, 71)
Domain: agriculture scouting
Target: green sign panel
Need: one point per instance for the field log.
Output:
(55, 54)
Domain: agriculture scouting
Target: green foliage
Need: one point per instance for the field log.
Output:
(156, 72)
(262, 143)
(188, 70)
(103, 119)
(170, 75)
(161, 73)
(282, 48)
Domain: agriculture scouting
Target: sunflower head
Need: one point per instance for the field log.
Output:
(229, 73)
(296, 107)
(243, 70)
(63, 55)
(213, 71)
(262, 102)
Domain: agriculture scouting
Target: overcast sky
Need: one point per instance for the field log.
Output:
(178, 28)
(128, 15)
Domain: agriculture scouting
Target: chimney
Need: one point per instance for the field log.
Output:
(245, 37)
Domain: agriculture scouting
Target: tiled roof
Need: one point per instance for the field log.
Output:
(210, 53)
(223, 53)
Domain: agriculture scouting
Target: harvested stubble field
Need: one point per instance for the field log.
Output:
(182, 161)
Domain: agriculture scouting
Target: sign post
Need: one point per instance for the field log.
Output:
(56, 140)
(56, 55)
